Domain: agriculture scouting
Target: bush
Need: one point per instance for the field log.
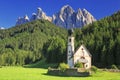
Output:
(78, 65)
(49, 68)
(114, 67)
(94, 69)
(63, 66)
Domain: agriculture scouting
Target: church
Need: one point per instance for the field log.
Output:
(81, 55)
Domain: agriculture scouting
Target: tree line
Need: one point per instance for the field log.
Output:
(41, 39)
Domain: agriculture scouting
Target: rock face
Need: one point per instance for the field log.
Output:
(40, 15)
(34, 17)
(64, 17)
(22, 20)
(68, 18)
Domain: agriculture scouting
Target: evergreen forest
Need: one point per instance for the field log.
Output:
(40, 39)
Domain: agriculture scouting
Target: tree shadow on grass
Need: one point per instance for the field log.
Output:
(46, 74)
(62, 75)
(41, 64)
(32, 66)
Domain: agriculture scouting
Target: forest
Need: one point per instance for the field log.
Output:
(23, 44)
(102, 38)
(40, 39)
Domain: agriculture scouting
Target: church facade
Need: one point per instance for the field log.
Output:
(81, 55)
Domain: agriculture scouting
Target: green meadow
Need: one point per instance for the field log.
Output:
(22, 73)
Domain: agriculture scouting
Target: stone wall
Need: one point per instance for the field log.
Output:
(68, 72)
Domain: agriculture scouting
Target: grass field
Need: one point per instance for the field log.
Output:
(20, 73)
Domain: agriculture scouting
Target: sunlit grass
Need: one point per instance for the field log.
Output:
(20, 73)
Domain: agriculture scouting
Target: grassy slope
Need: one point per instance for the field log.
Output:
(41, 64)
(20, 73)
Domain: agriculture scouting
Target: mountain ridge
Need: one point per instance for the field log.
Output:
(66, 17)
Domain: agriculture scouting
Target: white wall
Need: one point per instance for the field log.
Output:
(84, 53)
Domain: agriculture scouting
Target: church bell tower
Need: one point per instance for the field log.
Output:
(70, 49)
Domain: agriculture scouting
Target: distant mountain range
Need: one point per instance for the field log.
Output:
(66, 17)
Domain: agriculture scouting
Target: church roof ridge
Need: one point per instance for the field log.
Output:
(85, 49)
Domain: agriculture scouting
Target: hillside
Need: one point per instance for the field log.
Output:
(23, 44)
(102, 38)
(40, 39)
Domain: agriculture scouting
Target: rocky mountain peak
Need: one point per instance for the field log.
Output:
(33, 17)
(39, 9)
(38, 15)
(22, 20)
(68, 18)
(84, 10)
(26, 17)
(66, 9)
(79, 11)
(42, 15)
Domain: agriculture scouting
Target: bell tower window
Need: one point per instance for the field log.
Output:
(69, 51)
(69, 40)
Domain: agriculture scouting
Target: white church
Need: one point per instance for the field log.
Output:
(81, 55)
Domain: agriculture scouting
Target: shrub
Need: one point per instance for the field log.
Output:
(78, 65)
(63, 66)
(49, 68)
(94, 69)
(114, 67)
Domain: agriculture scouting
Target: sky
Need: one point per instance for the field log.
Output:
(10, 10)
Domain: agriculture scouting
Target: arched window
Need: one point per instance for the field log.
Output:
(69, 40)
